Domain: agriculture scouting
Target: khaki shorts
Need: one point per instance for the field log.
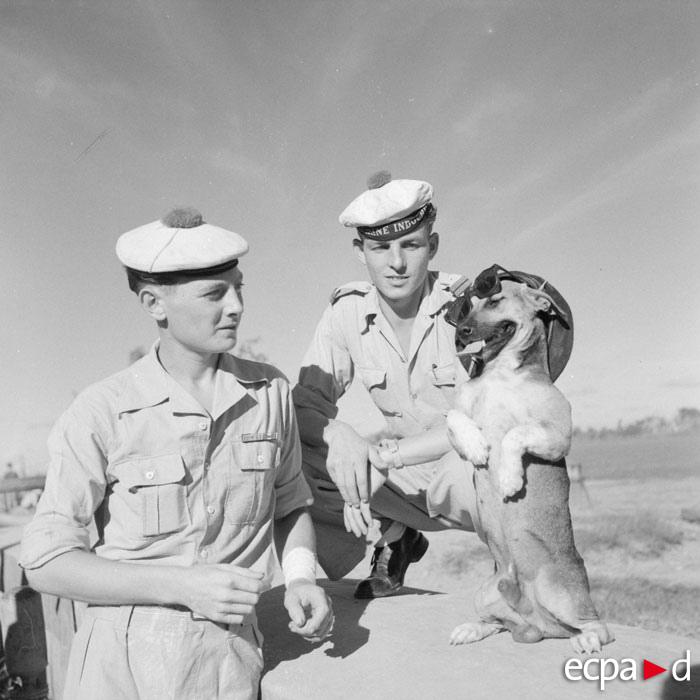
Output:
(127, 652)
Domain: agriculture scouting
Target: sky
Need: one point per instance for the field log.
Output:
(561, 138)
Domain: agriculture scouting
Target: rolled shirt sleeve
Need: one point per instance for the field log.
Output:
(291, 489)
(75, 487)
(327, 371)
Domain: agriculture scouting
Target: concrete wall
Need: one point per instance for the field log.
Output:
(397, 649)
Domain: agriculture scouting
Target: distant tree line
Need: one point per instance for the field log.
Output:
(686, 420)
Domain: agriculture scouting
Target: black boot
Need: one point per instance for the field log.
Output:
(389, 565)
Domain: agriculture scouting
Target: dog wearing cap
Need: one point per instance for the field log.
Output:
(514, 425)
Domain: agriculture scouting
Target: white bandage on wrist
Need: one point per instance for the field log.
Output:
(299, 563)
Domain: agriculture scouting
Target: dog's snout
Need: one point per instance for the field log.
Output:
(464, 332)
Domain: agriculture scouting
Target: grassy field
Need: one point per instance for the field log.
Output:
(643, 457)
(642, 558)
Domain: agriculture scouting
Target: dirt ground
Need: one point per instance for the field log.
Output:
(663, 498)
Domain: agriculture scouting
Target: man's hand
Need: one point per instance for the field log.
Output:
(222, 592)
(348, 462)
(359, 520)
(310, 610)
(348, 465)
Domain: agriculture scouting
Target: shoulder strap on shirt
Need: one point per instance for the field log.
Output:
(360, 287)
(458, 284)
(453, 283)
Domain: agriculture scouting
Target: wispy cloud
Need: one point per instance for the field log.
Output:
(501, 103)
(37, 81)
(237, 164)
(614, 126)
(366, 26)
(621, 178)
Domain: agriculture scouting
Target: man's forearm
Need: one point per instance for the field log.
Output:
(85, 576)
(311, 426)
(426, 447)
(295, 542)
(314, 427)
(294, 530)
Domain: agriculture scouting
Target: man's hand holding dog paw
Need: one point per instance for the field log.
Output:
(467, 439)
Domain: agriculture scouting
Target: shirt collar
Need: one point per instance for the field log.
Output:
(151, 385)
(235, 379)
(440, 294)
(437, 296)
(147, 385)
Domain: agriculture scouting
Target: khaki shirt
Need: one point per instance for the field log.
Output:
(165, 482)
(414, 391)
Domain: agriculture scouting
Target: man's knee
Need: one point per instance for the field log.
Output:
(451, 493)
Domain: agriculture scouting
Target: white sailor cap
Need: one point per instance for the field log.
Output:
(180, 241)
(389, 208)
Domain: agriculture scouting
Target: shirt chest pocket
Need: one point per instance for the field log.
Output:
(444, 375)
(154, 493)
(375, 381)
(249, 497)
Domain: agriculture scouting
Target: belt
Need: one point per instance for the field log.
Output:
(121, 614)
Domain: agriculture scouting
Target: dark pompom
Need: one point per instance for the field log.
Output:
(378, 180)
(184, 217)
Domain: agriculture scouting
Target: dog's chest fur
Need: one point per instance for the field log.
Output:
(498, 402)
(501, 400)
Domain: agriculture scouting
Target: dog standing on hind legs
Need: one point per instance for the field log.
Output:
(515, 427)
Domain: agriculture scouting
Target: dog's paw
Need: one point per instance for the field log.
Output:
(591, 641)
(510, 482)
(586, 643)
(592, 638)
(472, 632)
(510, 469)
(478, 450)
(479, 453)
(466, 438)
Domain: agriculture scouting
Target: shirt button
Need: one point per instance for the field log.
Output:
(414, 396)
(204, 553)
(202, 426)
(211, 510)
(260, 459)
(149, 475)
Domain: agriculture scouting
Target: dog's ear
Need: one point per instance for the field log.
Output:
(545, 303)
